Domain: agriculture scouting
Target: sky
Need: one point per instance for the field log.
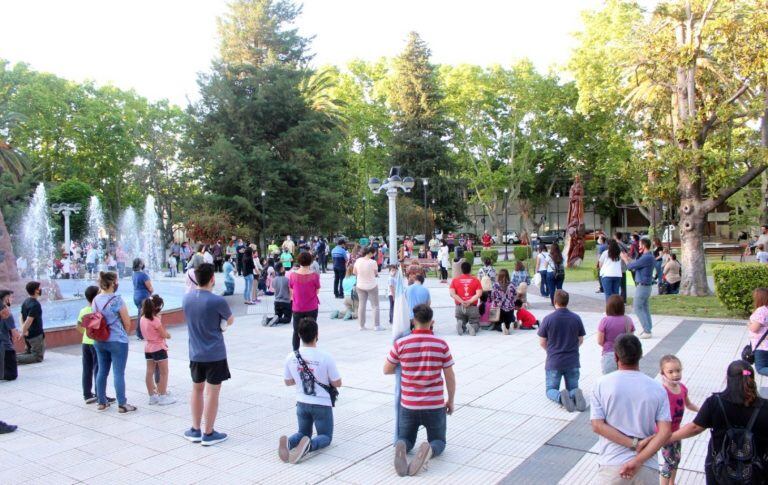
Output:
(157, 47)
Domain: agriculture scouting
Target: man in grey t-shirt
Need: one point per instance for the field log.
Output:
(283, 312)
(628, 407)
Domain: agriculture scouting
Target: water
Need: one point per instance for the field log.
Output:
(151, 248)
(96, 228)
(37, 235)
(129, 236)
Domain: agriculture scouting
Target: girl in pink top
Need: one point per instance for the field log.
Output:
(155, 351)
(611, 326)
(304, 285)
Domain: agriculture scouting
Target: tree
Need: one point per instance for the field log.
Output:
(72, 191)
(418, 142)
(693, 79)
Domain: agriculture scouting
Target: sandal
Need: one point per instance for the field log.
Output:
(126, 408)
(102, 407)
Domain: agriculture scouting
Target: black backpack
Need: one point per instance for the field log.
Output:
(559, 269)
(737, 461)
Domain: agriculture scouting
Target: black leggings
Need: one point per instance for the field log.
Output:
(297, 316)
(506, 317)
(443, 273)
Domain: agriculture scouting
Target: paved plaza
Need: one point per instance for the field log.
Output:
(504, 430)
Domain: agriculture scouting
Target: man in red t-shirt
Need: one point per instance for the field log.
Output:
(486, 239)
(466, 291)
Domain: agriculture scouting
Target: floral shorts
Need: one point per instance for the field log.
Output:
(671, 459)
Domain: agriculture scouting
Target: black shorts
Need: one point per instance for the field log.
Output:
(211, 372)
(157, 355)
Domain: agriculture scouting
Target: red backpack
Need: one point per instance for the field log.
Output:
(95, 324)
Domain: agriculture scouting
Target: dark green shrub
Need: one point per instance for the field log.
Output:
(734, 283)
(521, 252)
(493, 254)
(590, 245)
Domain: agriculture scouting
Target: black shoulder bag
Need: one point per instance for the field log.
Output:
(748, 353)
(332, 391)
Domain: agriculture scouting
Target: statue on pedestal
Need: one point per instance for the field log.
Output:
(574, 230)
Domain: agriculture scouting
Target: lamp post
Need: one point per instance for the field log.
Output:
(263, 224)
(66, 210)
(505, 243)
(557, 209)
(594, 218)
(364, 207)
(391, 185)
(425, 182)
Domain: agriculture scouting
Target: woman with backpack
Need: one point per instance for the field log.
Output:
(112, 352)
(555, 271)
(738, 418)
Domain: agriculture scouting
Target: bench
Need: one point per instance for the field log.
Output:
(723, 251)
(426, 263)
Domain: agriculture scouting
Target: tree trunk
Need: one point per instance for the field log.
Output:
(692, 258)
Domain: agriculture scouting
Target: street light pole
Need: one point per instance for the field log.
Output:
(66, 210)
(263, 224)
(594, 218)
(557, 209)
(391, 185)
(364, 207)
(425, 182)
(505, 243)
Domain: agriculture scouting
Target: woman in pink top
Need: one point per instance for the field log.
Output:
(155, 351)
(304, 285)
(758, 328)
(611, 326)
(367, 286)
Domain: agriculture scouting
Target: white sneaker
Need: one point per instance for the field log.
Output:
(645, 335)
(166, 399)
(154, 399)
(379, 328)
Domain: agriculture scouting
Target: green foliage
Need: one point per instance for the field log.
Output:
(521, 253)
(493, 254)
(734, 283)
(72, 191)
(590, 245)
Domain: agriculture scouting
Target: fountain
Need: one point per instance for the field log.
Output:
(129, 237)
(151, 248)
(96, 229)
(37, 235)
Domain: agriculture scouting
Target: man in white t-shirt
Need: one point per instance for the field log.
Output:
(629, 409)
(311, 370)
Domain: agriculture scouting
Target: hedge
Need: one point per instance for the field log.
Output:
(493, 254)
(521, 252)
(590, 245)
(734, 283)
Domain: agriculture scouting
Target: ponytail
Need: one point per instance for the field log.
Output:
(749, 390)
(151, 307)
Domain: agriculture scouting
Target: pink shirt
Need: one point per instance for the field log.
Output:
(304, 287)
(677, 406)
(612, 327)
(759, 315)
(150, 330)
(366, 269)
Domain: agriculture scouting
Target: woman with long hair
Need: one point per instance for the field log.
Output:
(503, 296)
(555, 271)
(367, 285)
(248, 272)
(304, 286)
(731, 409)
(610, 269)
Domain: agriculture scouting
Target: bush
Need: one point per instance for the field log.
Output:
(590, 245)
(521, 252)
(734, 283)
(493, 254)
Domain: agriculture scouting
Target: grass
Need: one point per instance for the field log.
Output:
(689, 306)
(585, 272)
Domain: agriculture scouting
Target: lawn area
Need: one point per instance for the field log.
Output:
(689, 306)
(585, 272)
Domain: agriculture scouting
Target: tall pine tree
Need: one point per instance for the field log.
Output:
(258, 126)
(419, 142)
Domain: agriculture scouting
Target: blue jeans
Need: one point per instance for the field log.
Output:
(248, 287)
(642, 307)
(611, 285)
(543, 285)
(138, 302)
(114, 355)
(657, 275)
(761, 362)
(553, 284)
(229, 288)
(321, 417)
(432, 419)
(553, 378)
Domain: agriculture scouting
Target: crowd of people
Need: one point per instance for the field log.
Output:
(635, 416)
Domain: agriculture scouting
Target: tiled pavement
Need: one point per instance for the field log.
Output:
(502, 417)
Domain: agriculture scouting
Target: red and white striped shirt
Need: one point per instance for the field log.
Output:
(422, 358)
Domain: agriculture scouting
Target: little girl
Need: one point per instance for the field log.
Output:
(155, 351)
(671, 374)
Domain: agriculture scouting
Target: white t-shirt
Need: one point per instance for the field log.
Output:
(443, 256)
(207, 257)
(323, 367)
(543, 259)
(631, 402)
(190, 280)
(761, 257)
(366, 270)
(65, 265)
(608, 267)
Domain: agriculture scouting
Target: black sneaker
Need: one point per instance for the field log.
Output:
(7, 428)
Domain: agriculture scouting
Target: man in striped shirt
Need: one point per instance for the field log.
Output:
(423, 359)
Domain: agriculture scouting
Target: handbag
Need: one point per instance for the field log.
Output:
(95, 324)
(536, 281)
(494, 315)
(748, 353)
(333, 392)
